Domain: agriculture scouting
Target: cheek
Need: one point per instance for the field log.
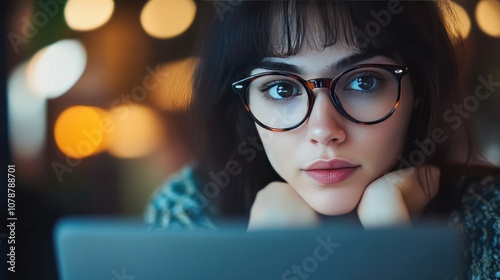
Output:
(385, 141)
(383, 145)
(279, 147)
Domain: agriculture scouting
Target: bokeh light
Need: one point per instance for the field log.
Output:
(138, 131)
(85, 15)
(53, 70)
(457, 21)
(167, 18)
(175, 91)
(82, 131)
(27, 116)
(488, 17)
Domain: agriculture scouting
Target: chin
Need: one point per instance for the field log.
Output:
(334, 207)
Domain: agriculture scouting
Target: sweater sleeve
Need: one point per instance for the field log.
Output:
(178, 203)
(478, 218)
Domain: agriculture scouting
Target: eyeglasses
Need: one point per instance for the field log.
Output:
(281, 101)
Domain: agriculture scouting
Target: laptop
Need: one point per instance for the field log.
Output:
(116, 249)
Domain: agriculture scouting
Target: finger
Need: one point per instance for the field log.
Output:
(278, 205)
(382, 205)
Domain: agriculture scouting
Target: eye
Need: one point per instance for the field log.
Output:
(363, 82)
(281, 90)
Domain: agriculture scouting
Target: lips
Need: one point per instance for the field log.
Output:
(330, 171)
(330, 164)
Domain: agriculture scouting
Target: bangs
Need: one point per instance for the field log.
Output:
(283, 28)
(293, 25)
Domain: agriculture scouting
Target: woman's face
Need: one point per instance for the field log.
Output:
(330, 160)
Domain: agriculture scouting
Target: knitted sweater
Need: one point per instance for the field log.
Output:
(472, 206)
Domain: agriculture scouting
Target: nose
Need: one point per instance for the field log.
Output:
(325, 124)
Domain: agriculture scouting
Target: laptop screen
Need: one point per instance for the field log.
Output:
(119, 249)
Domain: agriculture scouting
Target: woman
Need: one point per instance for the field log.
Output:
(344, 114)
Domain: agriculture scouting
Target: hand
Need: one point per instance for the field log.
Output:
(278, 205)
(398, 196)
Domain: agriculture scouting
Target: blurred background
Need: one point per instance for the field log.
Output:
(96, 98)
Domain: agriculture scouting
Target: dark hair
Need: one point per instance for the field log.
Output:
(415, 32)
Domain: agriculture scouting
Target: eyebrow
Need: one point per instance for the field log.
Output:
(279, 66)
(353, 59)
(350, 60)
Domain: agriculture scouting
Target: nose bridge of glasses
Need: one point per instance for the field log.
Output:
(322, 85)
(319, 83)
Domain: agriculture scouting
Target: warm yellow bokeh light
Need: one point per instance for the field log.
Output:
(175, 91)
(138, 131)
(82, 131)
(167, 18)
(457, 21)
(85, 15)
(488, 17)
